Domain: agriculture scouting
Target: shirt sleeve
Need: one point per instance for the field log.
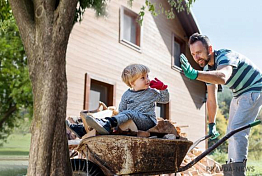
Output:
(162, 96)
(122, 104)
(228, 58)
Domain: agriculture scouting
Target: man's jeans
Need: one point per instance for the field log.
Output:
(243, 110)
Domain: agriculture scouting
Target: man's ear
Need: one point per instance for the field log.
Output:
(210, 49)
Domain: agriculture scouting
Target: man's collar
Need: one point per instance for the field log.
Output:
(212, 59)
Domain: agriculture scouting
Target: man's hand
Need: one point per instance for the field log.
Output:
(157, 84)
(213, 131)
(187, 68)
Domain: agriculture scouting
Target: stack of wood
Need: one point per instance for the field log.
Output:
(205, 167)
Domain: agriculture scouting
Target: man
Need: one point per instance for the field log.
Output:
(229, 68)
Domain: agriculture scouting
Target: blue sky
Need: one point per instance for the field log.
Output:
(232, 24)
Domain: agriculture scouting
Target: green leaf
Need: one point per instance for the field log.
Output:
(15, 86)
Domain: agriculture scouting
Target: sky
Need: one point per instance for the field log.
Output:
(232, 24)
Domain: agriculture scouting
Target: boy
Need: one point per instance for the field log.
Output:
(137, 103)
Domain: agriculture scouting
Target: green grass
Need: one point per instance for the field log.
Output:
(16, 145)
(254, 168)
(14, 172)
(14, 155)
(18, 141)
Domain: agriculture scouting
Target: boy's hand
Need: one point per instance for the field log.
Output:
(157, 84)
(189, 71)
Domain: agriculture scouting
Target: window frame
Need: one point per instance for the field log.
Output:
(105, 82)
(123, 41)
(182, 43)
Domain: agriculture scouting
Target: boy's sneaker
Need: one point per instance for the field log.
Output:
(77, 129)
(102, 126)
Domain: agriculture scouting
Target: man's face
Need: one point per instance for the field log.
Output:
(200, 53)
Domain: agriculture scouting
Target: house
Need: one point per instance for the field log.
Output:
(100, 48)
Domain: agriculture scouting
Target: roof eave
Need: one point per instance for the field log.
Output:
(188, 22)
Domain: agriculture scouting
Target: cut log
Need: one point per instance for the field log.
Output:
(74, 142)
(91, 133)
(83, 117)
(143, 133)
(128, 126)
(164, 127)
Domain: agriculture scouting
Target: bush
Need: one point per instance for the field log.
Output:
(255, 141)
(219, 156)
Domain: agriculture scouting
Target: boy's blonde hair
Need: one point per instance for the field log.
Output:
(132, 72)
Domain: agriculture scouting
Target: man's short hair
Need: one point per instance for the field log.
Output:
(199, 37)
(132, 72)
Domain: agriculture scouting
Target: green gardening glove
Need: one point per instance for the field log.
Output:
(187, 68)
(213, 131)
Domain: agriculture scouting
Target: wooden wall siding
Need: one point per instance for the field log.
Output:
(94, 48)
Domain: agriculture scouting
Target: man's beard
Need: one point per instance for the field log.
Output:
(207, 60)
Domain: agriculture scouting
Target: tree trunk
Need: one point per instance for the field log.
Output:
(48, 149)
(44, 28)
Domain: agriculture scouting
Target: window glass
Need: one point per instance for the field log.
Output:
(129, 29)
(161, 110)
(97, 93)
(177, 52)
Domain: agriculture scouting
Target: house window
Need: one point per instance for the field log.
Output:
(130, 30)
(98, 90)
(177, 49)
(162, 110)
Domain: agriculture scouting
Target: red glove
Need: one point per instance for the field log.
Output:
(159, 85)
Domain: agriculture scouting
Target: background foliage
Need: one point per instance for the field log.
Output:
(15, 87)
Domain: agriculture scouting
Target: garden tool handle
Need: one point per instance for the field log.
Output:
(210, 149)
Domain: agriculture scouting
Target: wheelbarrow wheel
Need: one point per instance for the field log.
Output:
(79, 168)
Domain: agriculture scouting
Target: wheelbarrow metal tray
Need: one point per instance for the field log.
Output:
(120, 155)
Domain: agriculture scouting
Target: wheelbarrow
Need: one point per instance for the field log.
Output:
(129, 155)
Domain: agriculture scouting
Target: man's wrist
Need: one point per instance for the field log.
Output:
(196, 74)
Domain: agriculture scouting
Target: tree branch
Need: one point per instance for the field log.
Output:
(23, 11)
(7, 115)
(64, 15)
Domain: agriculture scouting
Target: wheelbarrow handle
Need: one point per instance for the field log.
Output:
(255, 123)
(218, 143)
(197, 142)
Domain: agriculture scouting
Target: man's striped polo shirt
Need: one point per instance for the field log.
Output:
(246, 77)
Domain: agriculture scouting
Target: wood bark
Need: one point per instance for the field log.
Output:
(45, 26)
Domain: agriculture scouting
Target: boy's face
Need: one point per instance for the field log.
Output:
(141, 83)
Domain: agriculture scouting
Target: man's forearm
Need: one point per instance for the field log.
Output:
(212, 110)
(214, 77)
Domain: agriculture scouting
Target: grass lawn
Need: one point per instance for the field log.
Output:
(13, 171)
(18, 140)
(14, 155)
(254, 168)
